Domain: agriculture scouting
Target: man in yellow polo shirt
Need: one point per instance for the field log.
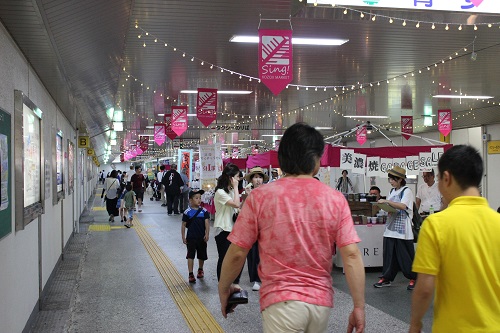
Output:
(458, 252)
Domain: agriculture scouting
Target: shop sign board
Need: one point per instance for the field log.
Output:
(493, 147)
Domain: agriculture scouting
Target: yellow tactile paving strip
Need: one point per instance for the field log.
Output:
(99, 208)
(99, 227)
(196, 315)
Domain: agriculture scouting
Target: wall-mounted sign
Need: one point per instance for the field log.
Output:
(468, 6)
(493, 147)
(230, 127)
(90, 152)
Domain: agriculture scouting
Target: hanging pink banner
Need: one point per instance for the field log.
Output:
(361, 106)
(406, 126)
(444, 122)
(133, 151)
(168, 127)
(179, 119)
(159, 134)
(138, 148)
(206, 107)
(275, 59)
(144, 142)
(361, 135)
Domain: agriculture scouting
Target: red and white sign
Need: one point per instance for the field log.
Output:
(206, 107)
(444, 122)
(168, 127)
(144, 142)
(406, 126)
(361, 135)
(179, 119)
(275, 59)
(159, 134)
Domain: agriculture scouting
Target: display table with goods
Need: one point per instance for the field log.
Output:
(370, 229)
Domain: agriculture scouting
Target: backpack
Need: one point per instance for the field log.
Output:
(416, 221)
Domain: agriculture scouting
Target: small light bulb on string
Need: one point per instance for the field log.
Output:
(166, 44)
(144, 44)
(139, 36)
(447, 27)
(192, 59)
(183, 54)
(418, 25)
(404, 23)
(221, 70)
(362, 15)
(202, 63)
(345, 11)
(460, 27)
(391, 20)
(175, 49)
(433, 26)
(136, 26)
(211, 66)
(475, 27)
(490, 25)
(374, 18)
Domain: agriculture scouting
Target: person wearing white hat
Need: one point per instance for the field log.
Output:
(255, 178)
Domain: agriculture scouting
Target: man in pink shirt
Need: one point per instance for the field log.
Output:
(297, 221)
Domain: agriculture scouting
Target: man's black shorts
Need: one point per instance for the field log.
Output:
(198, 246)
(139, 194)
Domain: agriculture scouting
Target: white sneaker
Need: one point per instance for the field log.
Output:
(256, 286)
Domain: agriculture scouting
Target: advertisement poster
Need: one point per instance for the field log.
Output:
(210, 165)
(59, 163)
(275, 59)
(32, 158)
(5, 172)
(185, 161)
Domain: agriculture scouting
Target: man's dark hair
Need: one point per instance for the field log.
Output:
(162, 167)
(137, 167)
(300, 147)
(375, 188)
(128, 187)
(173, 166)
(465, 165)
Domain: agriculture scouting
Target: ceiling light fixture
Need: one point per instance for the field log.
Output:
(227, 92)
(462, 97)
(271, 135)
(295, 40)
(367, 117)
(319, 128)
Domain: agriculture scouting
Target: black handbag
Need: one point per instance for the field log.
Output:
(235, 216)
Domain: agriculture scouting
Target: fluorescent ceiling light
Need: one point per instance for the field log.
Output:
(462, 96)
(231, 144)
(150, 127)
(117, 126)
(323, 128)
(252, 140)
(160, 114)
(428, 115)
(367, 117)
(295, 40)
(112, 142)
(143, 134)
(227, 92)
(191, 114)
(271, 135)
(118, 115)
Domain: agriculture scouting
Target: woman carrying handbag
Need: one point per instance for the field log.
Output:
(109, 192)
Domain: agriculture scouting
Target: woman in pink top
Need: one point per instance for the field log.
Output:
(297, 221)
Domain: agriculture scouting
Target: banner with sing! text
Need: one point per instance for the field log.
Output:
(206, 106)
(179, 119)
(406, 126)
(275, 59)
(444, 122)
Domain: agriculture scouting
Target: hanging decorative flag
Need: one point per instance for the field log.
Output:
(206, 107)
(144, 142)
(444, 122)
(361, 135)
(406, 126)
(159, 134)
(275, 59)
(138, 147)
(406, 97)
(133, 151)
(361, 106)
(168, 126)
(179, 119)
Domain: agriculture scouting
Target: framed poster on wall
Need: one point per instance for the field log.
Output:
(5, 175)
(71, 167)
(28, 155)
(57, 167)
